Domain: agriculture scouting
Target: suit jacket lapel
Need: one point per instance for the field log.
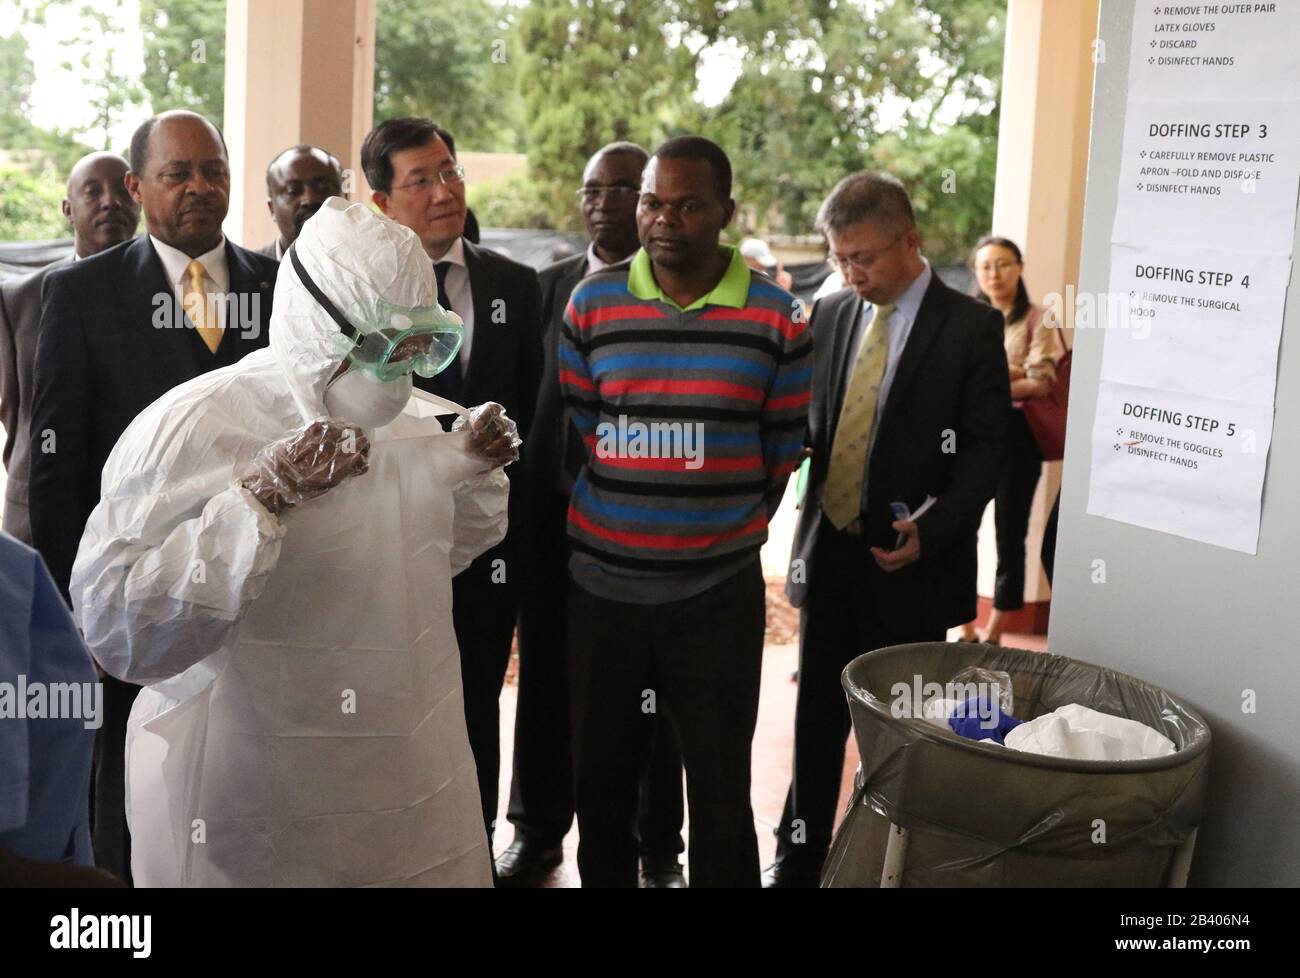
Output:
(484, 339)
(845, 321)
(142, 280)
(245, 283)
(571, 279)
(243, 277)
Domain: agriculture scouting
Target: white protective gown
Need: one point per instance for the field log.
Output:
(302, 722)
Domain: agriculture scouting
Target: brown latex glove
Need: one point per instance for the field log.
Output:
(307, 463)
(492, 435)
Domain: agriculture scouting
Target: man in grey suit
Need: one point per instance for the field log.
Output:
(102, 214)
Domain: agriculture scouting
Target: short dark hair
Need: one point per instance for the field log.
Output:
(699, 148)
(393, 136)
(139, 154)
(299, 148)
(862, 196)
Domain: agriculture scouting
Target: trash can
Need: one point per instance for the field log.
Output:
(932, 808)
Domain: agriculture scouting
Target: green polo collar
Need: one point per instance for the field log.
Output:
(732, 289)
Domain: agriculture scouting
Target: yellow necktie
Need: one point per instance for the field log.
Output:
(842, 496)
(195, 303)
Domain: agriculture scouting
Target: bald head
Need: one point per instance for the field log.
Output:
(298, 181)
(182, 119)
(98, 205)
(610, 183)
(637, 155)
(180, 176)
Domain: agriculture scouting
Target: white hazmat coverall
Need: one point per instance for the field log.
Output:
(302, 720)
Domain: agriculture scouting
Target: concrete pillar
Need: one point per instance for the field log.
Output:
(1046, 112)
(297, 71)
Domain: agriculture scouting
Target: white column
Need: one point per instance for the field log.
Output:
(1046, 113)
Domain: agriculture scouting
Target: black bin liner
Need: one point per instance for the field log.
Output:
(983, 815)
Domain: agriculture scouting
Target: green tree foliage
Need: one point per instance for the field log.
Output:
(185, 55)
(16, 92)
(518, 201)
(91, 55)
(36, 161)
(596, 71)
(29, 204)
(907, 86)
(825, 87)
(451, 63)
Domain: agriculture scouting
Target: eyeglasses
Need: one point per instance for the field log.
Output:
(450, 176)
(615, 193)
(997, 266)
(863, 261)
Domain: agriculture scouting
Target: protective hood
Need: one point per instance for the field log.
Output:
(355, 256)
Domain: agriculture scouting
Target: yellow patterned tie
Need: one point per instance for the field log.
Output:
(842, 496)
(195, 303)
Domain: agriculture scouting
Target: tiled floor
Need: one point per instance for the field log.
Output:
(773, 742)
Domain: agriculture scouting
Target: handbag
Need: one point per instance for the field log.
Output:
(1046, 414)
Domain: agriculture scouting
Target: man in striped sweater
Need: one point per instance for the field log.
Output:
(688, 375)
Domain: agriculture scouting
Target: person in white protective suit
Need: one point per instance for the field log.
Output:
(272, 559)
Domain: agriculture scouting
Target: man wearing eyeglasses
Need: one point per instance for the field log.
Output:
(541, 791)
(417, 181)
(909, 399)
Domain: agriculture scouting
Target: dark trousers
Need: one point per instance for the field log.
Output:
(1015, 494)
(484, 610)
(837, 623)
(697, 660)
(541, 788)
(110, 836)
(1048, 553)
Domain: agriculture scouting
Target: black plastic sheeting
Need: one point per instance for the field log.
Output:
(21, 257)
(983, 815)
(535, 248)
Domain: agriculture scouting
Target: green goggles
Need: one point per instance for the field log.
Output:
(389, 341)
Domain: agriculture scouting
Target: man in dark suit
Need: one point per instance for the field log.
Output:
(102, 214)
(541, 791)
(298, 181)
(119, 330)
(412, 170)
(910, 388)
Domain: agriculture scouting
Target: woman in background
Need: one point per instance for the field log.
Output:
(1032, 351)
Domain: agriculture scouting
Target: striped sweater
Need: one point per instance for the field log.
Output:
(693, 419)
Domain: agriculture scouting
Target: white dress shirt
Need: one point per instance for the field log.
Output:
(215, 280)
(460, 297)
(594, 263)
